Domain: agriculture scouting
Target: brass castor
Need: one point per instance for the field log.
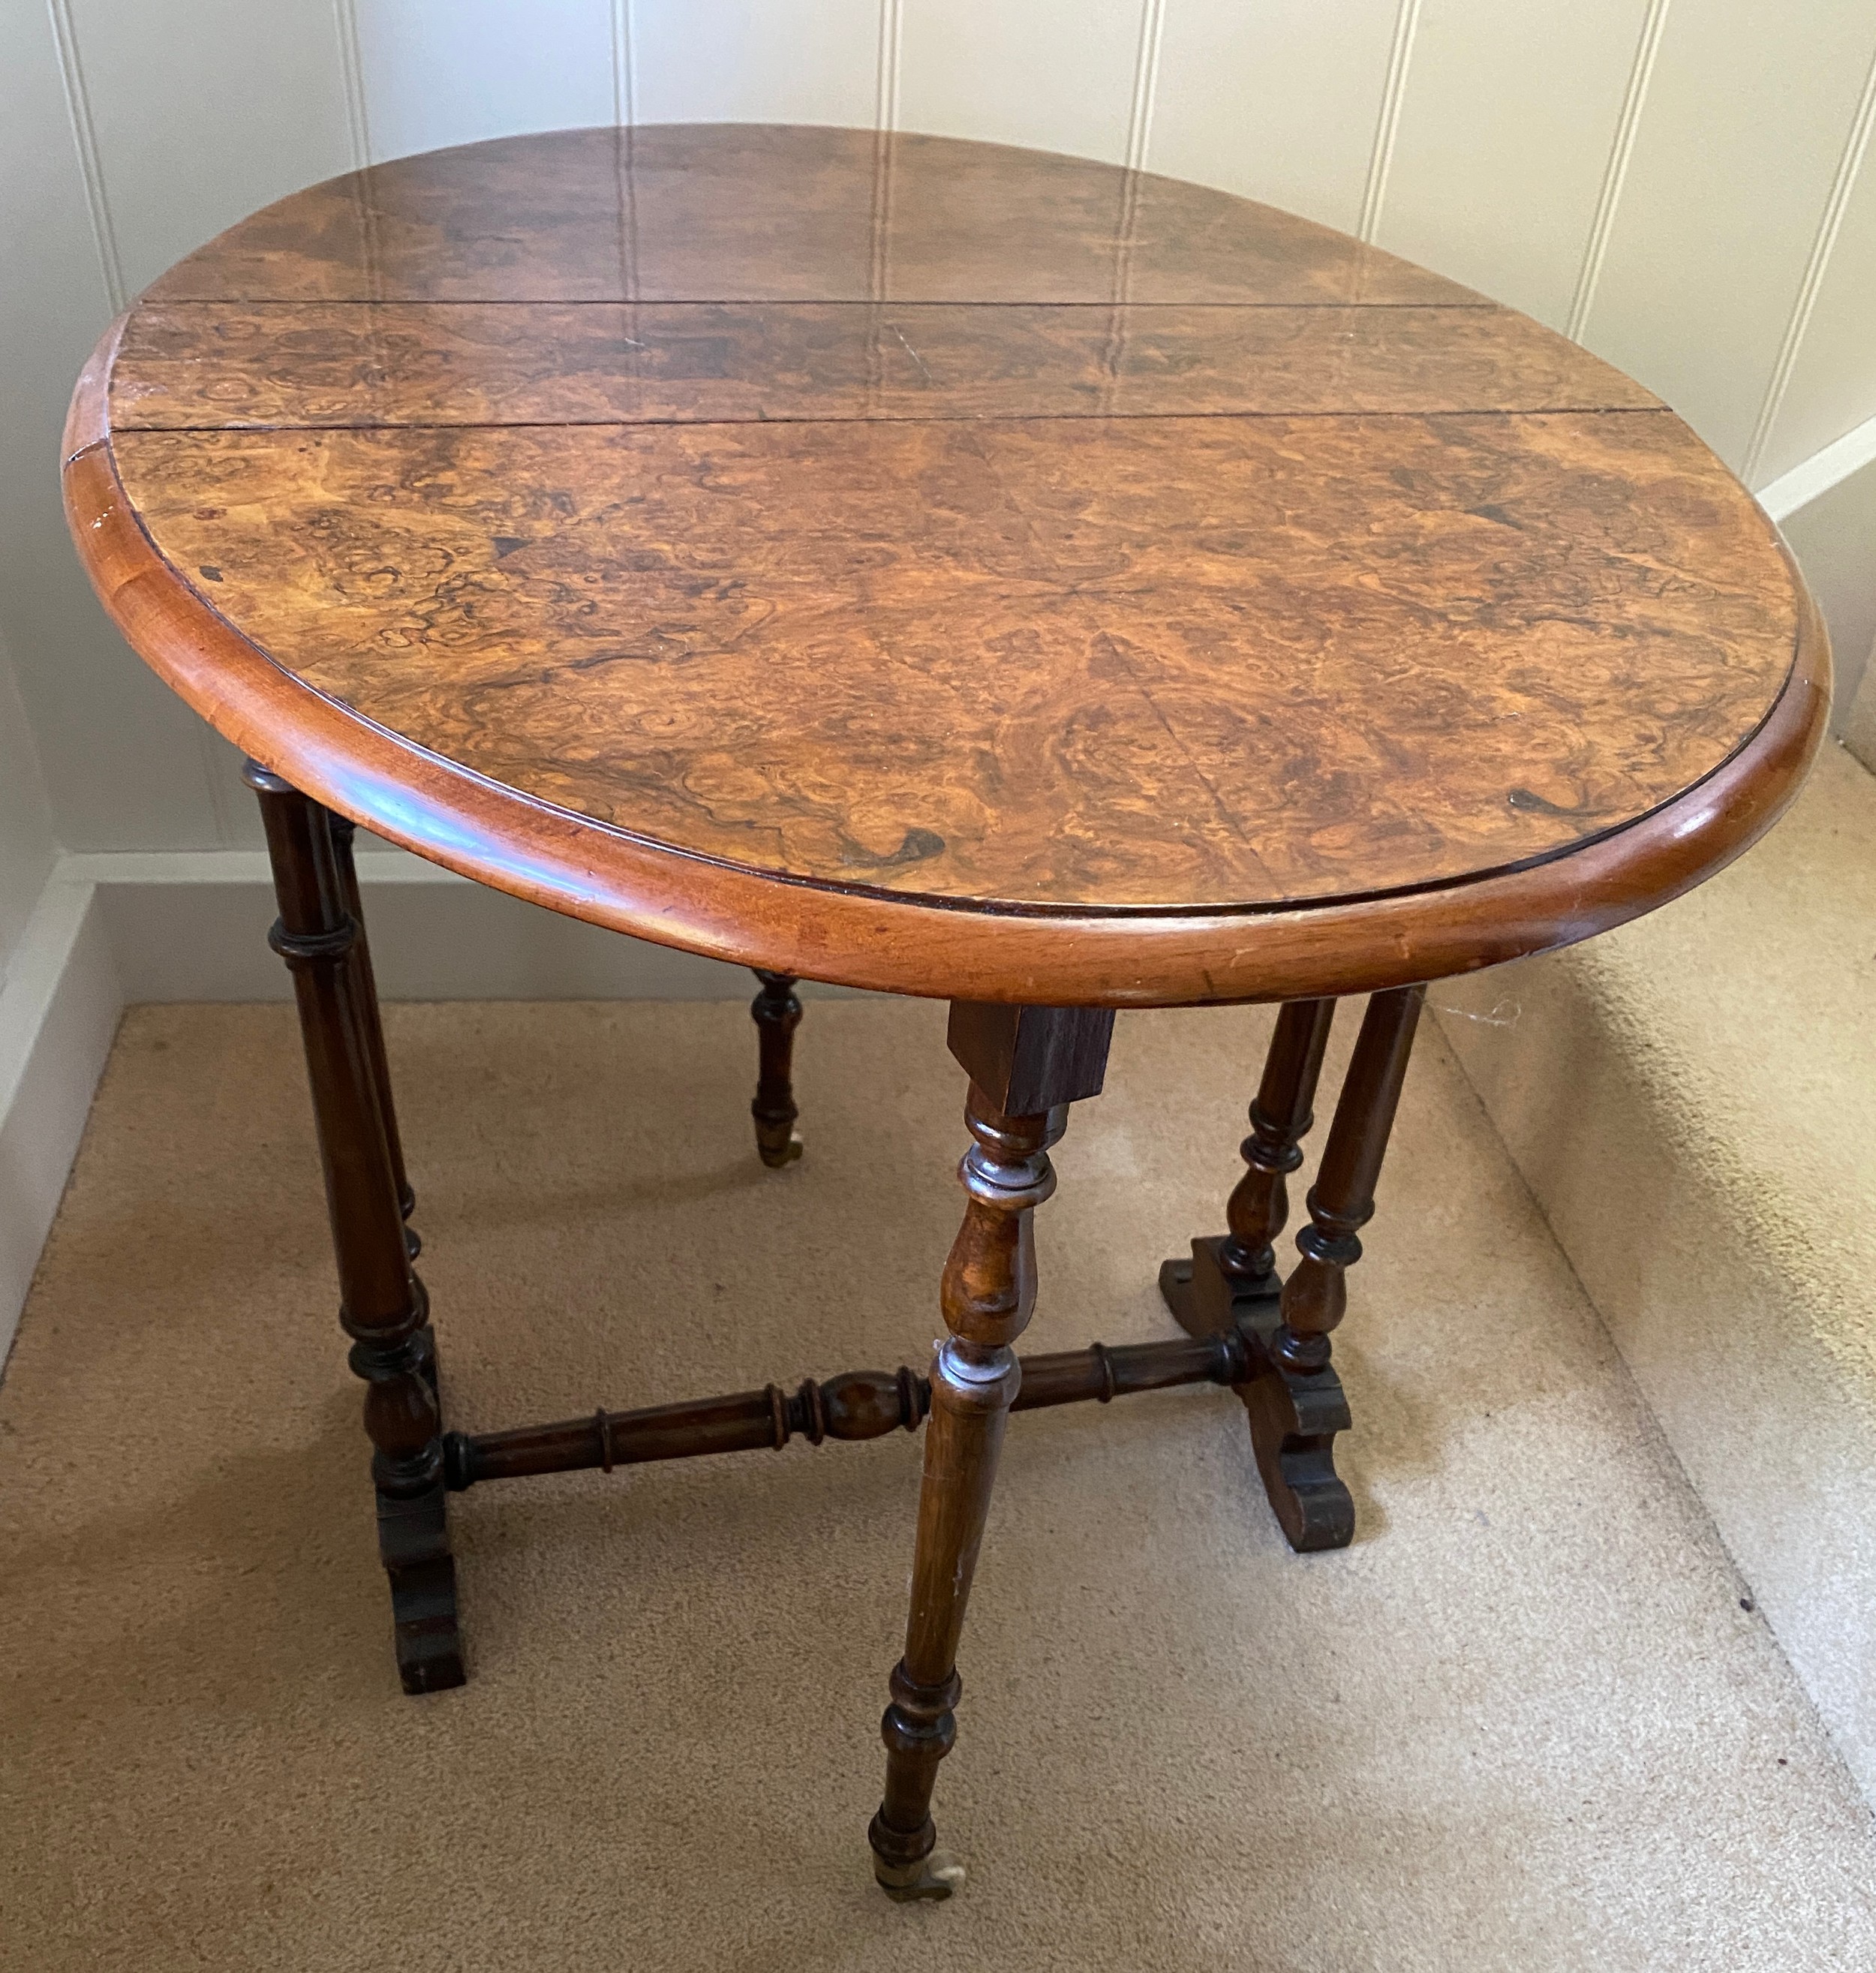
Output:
(934, 1876)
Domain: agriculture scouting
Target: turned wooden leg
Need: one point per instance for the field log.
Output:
(343, 830)
(777, 1014)
(1341, 1201)
(1294, 1401)
(382, 1305)
(1026, 1066)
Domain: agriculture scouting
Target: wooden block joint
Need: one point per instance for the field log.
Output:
(1028, 1060)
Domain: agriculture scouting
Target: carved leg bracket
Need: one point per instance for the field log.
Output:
(1294, 1415)
(414, 1544)
(1294, 1400)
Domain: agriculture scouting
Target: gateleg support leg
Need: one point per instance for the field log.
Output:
(1293, 1398)
(1026, 1066)
(382, 1304)
(1294, 1416)
(776, 1012)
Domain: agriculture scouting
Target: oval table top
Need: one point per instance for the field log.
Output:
(942, 567)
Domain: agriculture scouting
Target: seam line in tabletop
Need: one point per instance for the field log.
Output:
(982, 907)
(259, 426)
(1484, 305)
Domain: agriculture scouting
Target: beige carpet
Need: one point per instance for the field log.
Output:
(1524, 1724)
(1692, 1101)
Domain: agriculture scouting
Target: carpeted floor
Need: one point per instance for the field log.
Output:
(1524, 1724)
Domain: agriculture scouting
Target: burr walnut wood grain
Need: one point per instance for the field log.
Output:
(941, 568)
(750, 212)
(227, 365)
(1152, 663)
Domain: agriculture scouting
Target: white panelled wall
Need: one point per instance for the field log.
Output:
(1682, 184)
(1675, 182)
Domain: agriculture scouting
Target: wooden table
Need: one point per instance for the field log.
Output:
(946, 569)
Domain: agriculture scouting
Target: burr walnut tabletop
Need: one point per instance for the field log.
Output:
(941, 567)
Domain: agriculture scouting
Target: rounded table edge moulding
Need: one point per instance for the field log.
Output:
(453, 816)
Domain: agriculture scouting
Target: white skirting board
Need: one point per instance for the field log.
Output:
(111, 931)
(194, 926)
(58, 1011)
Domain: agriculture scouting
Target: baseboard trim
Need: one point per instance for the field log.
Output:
(192, 925)
(1812, 478)
(58, 1012)
(110, 931)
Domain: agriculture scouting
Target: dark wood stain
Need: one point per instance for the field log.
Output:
(383, 1306)
(856, 1405)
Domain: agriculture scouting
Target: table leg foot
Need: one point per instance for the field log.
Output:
(1294, 1416)
(933, 1876)
(413, 1543)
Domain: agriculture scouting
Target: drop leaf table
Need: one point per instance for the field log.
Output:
(949, 570)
